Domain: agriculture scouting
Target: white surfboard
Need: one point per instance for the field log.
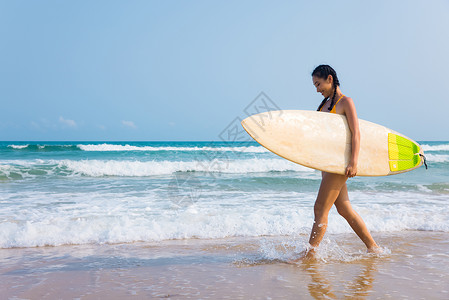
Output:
(322, 141)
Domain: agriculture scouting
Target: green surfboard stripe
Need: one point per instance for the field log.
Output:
(405, 164)
(406, 157)
(404, 153)
(405, 142)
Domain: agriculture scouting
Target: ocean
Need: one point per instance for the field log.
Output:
(76, 193)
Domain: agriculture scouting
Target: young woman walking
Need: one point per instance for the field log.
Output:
(333, 189)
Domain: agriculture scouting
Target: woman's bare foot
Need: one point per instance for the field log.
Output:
(374, 250)
(306, 255)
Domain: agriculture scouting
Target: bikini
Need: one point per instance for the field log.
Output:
(335, 105)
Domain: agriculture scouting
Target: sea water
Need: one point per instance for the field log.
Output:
(59, 193)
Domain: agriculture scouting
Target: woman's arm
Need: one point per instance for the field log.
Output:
(353, 123)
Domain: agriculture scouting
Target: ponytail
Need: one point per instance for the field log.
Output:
(322, 103)
(323, 71)
(333, 97)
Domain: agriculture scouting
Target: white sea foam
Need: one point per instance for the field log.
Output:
(444, 147)
(78, 218)
(98, 168)
(112, 147)
(437, 157)
(102, 200)
(18, 146)
(18, 168)
(40, 146)
(132, 168)
(139, 168)
(289, 248)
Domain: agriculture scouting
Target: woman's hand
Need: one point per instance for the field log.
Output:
(351, 170)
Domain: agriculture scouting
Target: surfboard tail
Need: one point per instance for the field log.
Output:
(404, 154)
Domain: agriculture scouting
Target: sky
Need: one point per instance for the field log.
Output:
(184, 70)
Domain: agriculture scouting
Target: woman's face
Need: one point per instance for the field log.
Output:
(323, 86)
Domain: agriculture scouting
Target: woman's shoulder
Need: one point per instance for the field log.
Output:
(347, 105)
(347, 101)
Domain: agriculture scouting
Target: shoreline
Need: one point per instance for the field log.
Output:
(415, 264)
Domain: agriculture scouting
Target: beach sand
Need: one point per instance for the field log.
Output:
(415, 265)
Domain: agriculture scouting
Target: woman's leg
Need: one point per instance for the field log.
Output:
(330, 187)
(345, 209)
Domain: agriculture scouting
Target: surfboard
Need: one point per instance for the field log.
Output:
(322, 141)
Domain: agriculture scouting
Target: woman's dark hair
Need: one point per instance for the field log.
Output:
(323, 71)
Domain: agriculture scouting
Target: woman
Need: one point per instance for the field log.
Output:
(333, 189)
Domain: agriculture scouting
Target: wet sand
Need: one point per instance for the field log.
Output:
(415, 265)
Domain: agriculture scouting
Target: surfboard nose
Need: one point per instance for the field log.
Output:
(246, 124)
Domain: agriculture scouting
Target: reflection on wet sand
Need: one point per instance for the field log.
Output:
(321, 285)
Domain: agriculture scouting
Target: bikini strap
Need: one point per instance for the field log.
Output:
(339, 99)
(335, 102)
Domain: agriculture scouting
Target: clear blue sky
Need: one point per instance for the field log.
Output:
(183, 70)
